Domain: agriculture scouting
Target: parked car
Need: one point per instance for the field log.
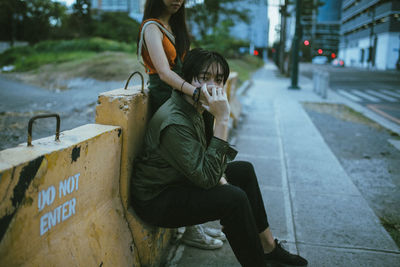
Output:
(337, 62)
(320, 60)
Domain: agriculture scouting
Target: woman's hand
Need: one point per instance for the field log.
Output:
(216, 103)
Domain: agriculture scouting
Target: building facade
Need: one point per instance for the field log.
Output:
(257, 30)
(320, 28)
(326, 32)
(370, 34)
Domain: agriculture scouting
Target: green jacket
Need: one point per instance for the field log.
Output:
(176, 152)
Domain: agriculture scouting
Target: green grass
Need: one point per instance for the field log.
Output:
(93, 58)
(32, 57)
(244, 66)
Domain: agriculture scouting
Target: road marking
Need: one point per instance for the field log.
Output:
(352, 97)
(388, 98)
(363, 95)
(392, 93)
(376, 108)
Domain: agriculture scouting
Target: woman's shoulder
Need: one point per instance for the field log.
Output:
(151, 27)
(149, 21)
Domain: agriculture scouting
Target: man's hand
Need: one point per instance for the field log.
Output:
(217, 103)
(223, 181)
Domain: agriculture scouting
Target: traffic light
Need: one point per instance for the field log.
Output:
(333, 55)
(320, 51)
(255, 52)
(306, 42)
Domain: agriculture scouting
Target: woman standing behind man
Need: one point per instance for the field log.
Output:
(163, 43)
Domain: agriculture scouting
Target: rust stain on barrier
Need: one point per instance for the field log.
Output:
(76, 153)
(25, 179)
(27, 174)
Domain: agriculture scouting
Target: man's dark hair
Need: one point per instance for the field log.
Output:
(197, 60)
(154, 9)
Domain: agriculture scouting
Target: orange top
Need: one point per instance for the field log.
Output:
(169, 50)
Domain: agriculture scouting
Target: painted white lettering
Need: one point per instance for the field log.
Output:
(43, 224)
(51, 194)
(63, 188)
(77, 179)
(72, 203)
(68, 185)
(41, 201)
(52, 218)
(59, 214)
(64, 211)
(46, 197)
(71, 184)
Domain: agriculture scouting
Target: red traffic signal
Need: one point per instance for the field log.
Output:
(255, 52)
(333, 55)
(306, 42)
(320, 51)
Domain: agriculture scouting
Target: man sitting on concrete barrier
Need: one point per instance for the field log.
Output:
(180, 181)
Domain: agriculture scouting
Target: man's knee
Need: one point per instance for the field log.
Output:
(235, 196)
(247, 166)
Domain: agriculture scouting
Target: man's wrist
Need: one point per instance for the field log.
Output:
(222, 120)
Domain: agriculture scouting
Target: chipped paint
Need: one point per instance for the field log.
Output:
(76, 153)
(81, 197)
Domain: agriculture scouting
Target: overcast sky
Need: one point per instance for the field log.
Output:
(273, 15)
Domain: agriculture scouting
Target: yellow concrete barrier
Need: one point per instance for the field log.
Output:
(230, 89)
(129, 110)
(60, 202)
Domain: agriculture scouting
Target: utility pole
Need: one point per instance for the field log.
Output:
(282, 46)
(295, 50)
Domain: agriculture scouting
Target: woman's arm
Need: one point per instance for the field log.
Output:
(153, 37)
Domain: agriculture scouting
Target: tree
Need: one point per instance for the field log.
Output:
(80, 21)
(11, 19)
(208, 16)
(30, 21)
(126, 31)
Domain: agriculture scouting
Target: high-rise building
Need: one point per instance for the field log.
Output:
(256, 31)
(370, 33)
(320, 28)
(327, 28)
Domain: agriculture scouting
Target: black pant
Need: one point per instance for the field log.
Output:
(238, 206)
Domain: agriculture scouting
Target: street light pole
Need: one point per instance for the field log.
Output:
(295, 50)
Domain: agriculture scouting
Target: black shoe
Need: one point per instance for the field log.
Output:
(280, 255)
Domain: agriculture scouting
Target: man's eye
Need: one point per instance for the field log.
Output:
(219, 80)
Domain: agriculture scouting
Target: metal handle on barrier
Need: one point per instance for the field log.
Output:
(30, 124)
(141, 76)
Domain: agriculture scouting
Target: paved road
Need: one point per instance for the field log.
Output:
(19, 102)
(377, 90)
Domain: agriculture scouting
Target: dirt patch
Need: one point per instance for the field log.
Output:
(106, 66)
(362, 147)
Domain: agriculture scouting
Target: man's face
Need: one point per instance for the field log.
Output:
(211, 76)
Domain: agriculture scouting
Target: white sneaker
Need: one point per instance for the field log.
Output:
(196, 237)
(215, 233)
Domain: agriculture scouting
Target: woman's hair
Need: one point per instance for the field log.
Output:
(154, 9)
(197, 60)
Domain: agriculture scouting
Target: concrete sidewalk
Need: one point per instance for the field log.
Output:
(310, 200)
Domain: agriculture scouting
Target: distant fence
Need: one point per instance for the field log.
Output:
(5, 45)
